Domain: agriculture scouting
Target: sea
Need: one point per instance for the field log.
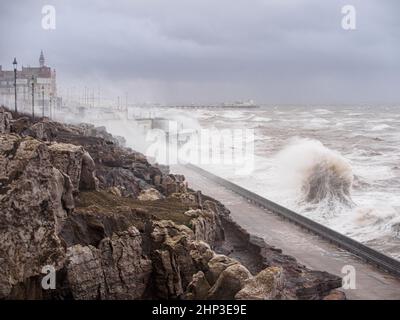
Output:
(337, 165)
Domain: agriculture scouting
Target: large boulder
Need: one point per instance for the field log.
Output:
(117, 269)
(206, 226)
(75, 162)
(33, 195)
(217, 264)
(266, 285)
(173, 265)
(68, 159)
(184, 267)
(230, 281)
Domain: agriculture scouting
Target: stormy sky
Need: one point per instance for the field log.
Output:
(206, 51)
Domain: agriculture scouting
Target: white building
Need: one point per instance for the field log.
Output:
(44, 83)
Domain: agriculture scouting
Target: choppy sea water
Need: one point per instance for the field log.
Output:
(339, 166)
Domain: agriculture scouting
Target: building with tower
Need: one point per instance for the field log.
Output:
(45, 87)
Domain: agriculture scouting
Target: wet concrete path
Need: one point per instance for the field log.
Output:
(309, 249)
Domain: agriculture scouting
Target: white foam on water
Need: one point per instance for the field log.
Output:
(261, 119)
(316, 122)
(323, 111)
(381, 127)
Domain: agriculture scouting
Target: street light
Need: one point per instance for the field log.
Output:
(42, 101)
(33, 98)
(15, 83)
(51, 105)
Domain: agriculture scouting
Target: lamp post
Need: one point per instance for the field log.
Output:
(33, 98)
(51, 105)
(15, 83)
(42, 101)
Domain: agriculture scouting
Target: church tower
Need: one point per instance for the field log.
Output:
(41, 59)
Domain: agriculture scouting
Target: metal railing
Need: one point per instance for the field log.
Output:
(368, 254)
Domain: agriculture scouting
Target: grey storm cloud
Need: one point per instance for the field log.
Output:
(276, 51)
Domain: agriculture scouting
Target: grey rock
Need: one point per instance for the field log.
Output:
(31, 211)
(266, 285)
(230, 281)
(117, 269)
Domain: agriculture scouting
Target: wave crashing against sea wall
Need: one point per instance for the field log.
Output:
(317, 173)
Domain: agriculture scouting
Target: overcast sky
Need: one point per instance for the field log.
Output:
(182, 51)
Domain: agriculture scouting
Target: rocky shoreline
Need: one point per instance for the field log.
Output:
(115, 226)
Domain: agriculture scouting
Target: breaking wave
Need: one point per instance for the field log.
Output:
(318, 174)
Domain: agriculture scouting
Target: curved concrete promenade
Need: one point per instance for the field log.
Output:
(308, 248)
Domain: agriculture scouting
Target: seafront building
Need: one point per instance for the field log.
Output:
(45, 87)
